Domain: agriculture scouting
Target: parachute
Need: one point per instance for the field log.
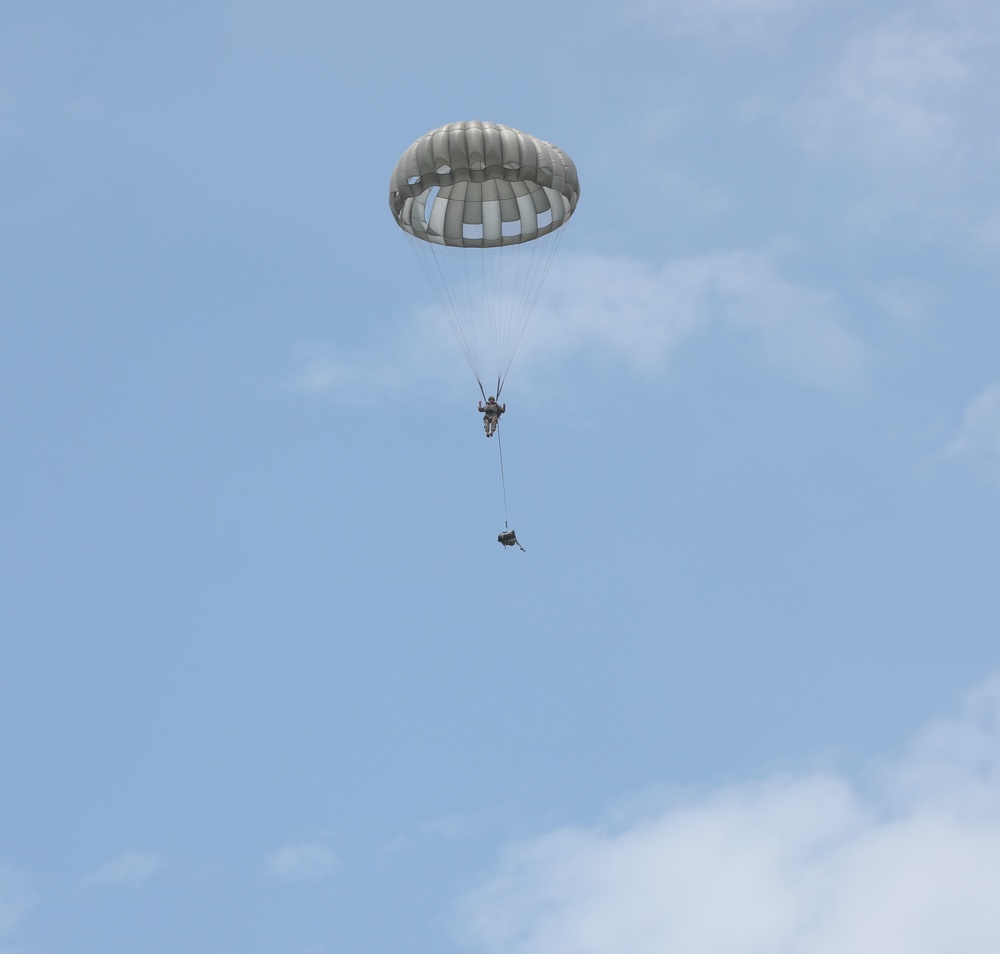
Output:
(484, 205)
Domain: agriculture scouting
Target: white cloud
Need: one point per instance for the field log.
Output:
(311, 861)
(800, 329)
(639, 314)
(892, 97)
(978, 438)
(809, 863)
(632, 311)
(621, 312)
(16, 898)
(129, 870)
(421, 353)
(900, 116)
(891, 103)
(988, 230)
(905, 302)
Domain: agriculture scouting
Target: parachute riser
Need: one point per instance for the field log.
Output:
(500, 384)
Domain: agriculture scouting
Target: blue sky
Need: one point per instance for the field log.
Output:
(269, 684)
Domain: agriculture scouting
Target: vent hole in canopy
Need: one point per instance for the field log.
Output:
(432, 195)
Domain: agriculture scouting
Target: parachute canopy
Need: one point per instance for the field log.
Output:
(482, 201)
(482, 185)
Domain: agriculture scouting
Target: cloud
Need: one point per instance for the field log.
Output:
(420, 354)
(311, 861)
(988, 230)
(810, 863)
(887, 105)
(898, 120)
(639, 314)
(978, 438)
(622, 312)
(129, 870)
(16, 898)
(905, 302)
(892, 98)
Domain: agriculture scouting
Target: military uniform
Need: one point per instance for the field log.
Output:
(491, 412)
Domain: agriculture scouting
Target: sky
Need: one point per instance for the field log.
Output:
(269, 684)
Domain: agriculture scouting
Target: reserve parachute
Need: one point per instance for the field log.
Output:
(484, 205)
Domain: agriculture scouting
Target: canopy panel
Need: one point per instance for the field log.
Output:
(482, 185)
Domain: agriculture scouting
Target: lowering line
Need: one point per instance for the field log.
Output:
(503, 482)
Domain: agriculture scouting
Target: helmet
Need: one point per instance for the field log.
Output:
(491, 400)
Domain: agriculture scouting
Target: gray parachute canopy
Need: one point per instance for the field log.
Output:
(482, 185)
(473, 198)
